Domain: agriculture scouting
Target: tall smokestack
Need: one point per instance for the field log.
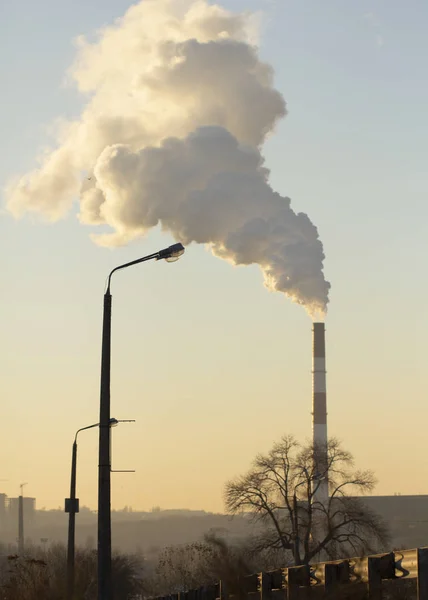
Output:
(319, 410)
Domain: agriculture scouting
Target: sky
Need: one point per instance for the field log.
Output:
(212, 366)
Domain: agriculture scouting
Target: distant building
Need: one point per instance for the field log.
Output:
(407, 509)
(3, 513)
(406, 516)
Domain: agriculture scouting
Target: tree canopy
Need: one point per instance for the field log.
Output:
(279, 492)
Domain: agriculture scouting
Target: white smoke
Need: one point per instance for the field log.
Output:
(179, 106)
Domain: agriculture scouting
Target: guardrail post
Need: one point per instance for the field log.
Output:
(374, 576)
(335, 574)
(224, 593)
(422, 573)
(297, 577)
(378, 568)
(265, 586)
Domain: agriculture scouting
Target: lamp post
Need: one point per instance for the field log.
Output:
(72, 507)
(170, 254)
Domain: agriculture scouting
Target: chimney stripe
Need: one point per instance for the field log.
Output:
(318, 364)
(319, 340)
(319, 383)
(320, 408)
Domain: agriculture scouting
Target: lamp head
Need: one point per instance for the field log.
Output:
(114, 422)
(172, 253)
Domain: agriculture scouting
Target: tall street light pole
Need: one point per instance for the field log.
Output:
(170, 254)
(72, 507)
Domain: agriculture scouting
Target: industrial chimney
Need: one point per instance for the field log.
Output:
(319, 411)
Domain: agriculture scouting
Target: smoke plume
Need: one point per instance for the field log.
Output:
(178, 107)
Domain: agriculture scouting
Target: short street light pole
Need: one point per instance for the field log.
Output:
(169, 254)
(72, 507)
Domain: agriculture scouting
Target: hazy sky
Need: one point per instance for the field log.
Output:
(212, 366)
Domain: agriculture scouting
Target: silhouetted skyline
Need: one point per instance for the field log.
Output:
(212, 366)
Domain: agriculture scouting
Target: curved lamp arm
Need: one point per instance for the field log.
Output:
(169, 254)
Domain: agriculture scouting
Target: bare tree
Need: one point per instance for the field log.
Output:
(280, 493)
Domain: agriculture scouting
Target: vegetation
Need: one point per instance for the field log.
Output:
(280, 493)
(189, 566)
(292, 527)
(41, 575)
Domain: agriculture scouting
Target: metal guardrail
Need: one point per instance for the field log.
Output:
(369, 572)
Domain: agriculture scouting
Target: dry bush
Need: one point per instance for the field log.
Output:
(41, 575)
(190, 566)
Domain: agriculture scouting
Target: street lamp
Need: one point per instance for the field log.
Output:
(169, 254)
(72, 507)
